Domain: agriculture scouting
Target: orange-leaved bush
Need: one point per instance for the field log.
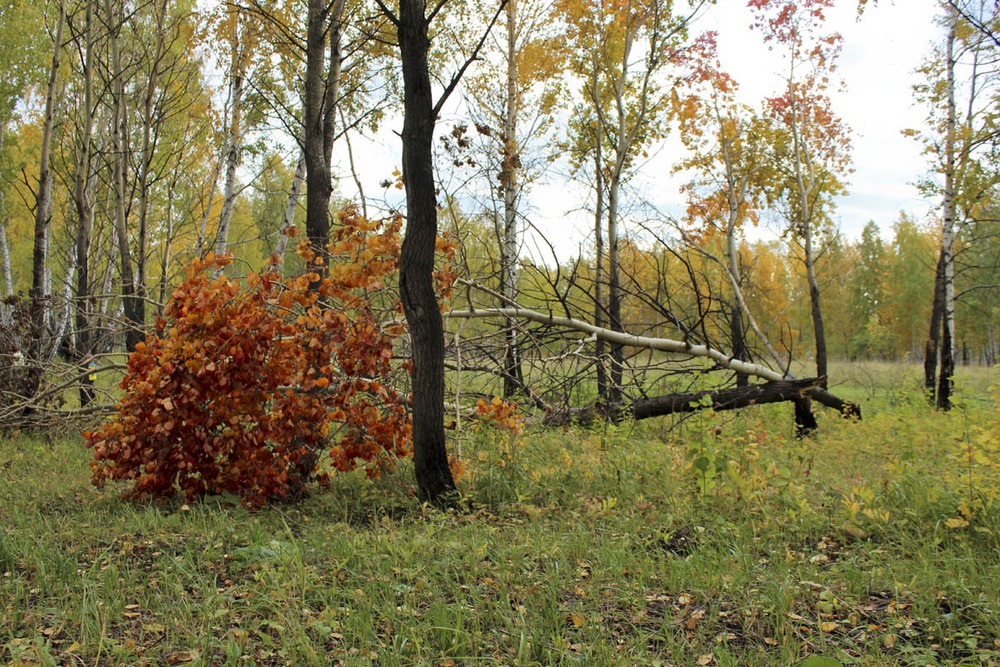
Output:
(240, 388)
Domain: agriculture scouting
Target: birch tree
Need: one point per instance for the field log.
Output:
(961, 94)
(514, 122)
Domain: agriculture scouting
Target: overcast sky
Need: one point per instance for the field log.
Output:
(880, 53)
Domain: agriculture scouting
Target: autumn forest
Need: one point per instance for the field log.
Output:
(216, 272)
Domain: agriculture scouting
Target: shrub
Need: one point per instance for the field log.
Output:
(240, 388)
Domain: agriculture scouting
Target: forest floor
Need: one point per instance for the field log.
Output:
(715, 540)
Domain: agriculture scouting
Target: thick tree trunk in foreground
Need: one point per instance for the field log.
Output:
(133, 305)
(816, 310)
(416, 263)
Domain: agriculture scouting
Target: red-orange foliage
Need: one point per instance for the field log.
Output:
(240, 388)
(501, 414)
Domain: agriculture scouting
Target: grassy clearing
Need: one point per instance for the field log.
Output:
(719, 540)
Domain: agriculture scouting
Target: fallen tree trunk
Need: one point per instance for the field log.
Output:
(818, 394)
(688, 402)
(724, 399)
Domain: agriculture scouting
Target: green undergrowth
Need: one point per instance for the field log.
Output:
(715, 540)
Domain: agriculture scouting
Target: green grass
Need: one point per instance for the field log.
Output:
(719, 540)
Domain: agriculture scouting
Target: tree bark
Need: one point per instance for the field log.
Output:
(6, 310)
(947, 353)
(513, 380)
(725, 399)
(85, 213)
(234, 139)
(322, 90)
(737, 333)
(622, 145)
(934, 335)
(816, 309)
(291, 206)
(602, 376)
(132, 301)
(435, 483)
(738, 340)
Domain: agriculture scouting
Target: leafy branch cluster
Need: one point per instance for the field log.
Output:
(240, 388)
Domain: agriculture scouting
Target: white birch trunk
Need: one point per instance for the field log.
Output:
(294, 193)
(234, 147)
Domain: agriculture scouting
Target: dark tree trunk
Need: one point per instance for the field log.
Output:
(816, 309)
(946, 375)
(796, 391)
(825, 398)
(805, 420)
(934, 336)
(416, 264)
(513, 377)
(725, 399)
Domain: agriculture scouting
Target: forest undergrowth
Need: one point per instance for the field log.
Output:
(716, 540)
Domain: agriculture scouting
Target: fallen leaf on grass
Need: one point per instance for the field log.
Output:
(183, 657)
(692, 621)
(706, 659)
(576, 620)
(828, 626)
